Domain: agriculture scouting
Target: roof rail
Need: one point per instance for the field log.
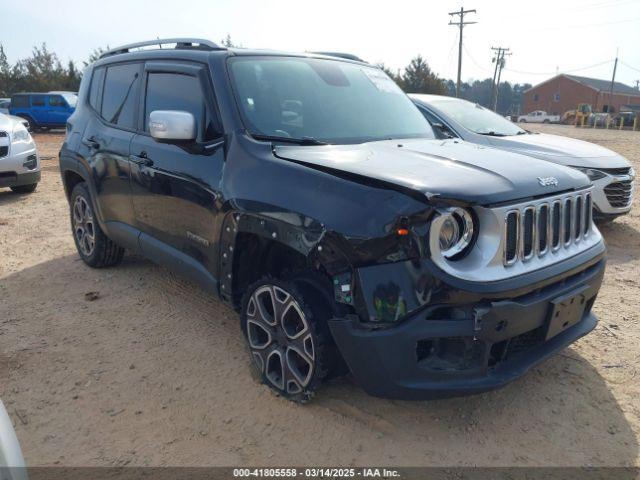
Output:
(181, 43)
(346, 56)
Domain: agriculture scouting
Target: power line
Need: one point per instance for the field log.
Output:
(563, 71)
(460, 24)
(629, 66)
(475, 62)
(587, 25)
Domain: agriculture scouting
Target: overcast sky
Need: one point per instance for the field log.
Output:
(544, 35)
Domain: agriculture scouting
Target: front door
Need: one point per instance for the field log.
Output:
(58, 110)
(175, 186)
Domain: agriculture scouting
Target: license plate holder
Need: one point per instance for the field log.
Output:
(566, 311)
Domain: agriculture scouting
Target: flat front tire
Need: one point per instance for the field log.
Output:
(94, 247)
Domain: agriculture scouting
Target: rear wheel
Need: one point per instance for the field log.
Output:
(25, 188)
(287, 337)
(94, 247)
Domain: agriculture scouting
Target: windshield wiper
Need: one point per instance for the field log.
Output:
(297, 141)
(523, 132)
(492, 134)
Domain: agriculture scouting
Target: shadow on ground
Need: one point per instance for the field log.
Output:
(156, 344)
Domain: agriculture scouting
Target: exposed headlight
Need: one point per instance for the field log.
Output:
(452, 232)
(20, 134)
(592, 173)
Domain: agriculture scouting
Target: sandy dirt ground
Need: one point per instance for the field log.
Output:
(154, 372)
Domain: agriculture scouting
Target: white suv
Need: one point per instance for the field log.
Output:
(19, 161)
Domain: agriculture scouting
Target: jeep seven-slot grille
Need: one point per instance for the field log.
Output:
(543, 227)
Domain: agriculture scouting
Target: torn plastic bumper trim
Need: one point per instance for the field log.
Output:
(424, 358)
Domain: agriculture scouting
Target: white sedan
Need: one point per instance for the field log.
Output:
(610, 173)
(19, 160)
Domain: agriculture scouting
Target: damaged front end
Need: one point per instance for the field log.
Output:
(468, 298)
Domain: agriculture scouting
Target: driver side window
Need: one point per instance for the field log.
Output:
(175, 91)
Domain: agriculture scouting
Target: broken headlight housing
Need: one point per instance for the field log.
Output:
(452, 233)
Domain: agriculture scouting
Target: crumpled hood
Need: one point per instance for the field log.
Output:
(565, 150)
(450, 169)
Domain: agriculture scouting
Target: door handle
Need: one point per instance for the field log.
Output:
(91, 143)
(142, 159)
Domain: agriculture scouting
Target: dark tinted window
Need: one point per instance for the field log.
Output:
(37, 101)
(56, 101)
(329, 100)
(19, 101)
(172, 91)
(96, 88)
(120, 92)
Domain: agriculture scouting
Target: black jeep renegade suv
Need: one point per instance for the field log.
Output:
(307, 192)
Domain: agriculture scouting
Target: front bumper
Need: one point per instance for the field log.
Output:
(20, 168)
(427, 356)
(12, 179)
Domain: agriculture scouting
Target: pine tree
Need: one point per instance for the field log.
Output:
(418, 78)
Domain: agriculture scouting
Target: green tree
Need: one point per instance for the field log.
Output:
(419, 78)
(396, 77)
(40, 72)
(6, 78)
(73, 77)
(227, 42)
(95, 56)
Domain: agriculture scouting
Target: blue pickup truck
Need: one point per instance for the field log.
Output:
(44, 110)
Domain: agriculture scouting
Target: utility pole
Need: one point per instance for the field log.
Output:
(613, 79)
(460, 23)
(637, 84)
(499, 61)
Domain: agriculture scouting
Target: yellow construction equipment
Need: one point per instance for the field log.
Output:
(579, 116)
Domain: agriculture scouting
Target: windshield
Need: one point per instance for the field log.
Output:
(71, 98)
(476, 118)
(322, 100)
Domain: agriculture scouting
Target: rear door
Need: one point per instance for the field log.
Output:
(176, 186)
(114, 97)
(39, 109)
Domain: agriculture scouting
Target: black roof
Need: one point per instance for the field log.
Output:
(605, 85)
